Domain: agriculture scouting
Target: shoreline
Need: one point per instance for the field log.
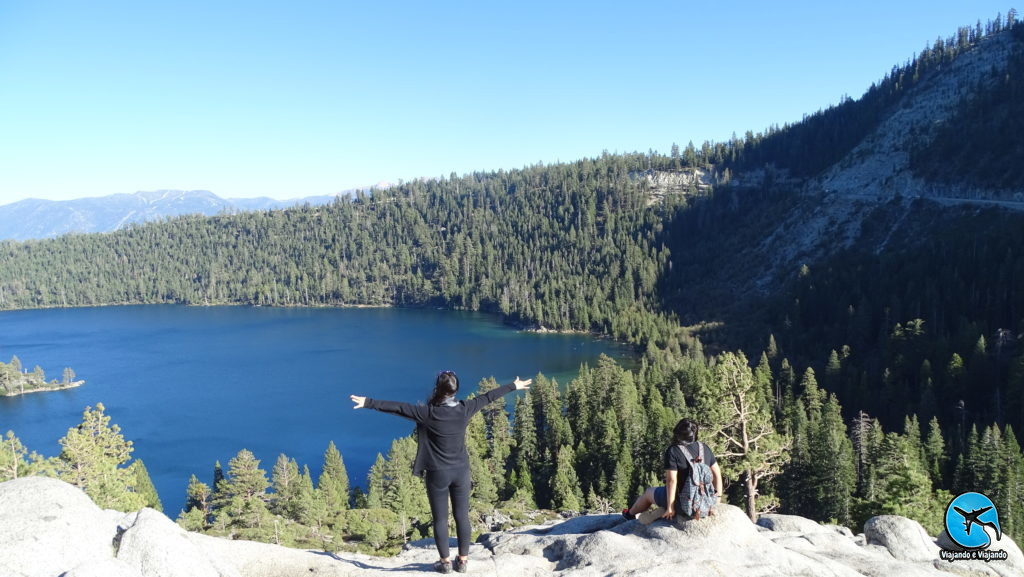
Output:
(526, 328)
(71, 385)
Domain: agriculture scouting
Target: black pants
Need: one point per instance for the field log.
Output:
(440, 485)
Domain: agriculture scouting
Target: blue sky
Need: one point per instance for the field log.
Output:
(304, 98)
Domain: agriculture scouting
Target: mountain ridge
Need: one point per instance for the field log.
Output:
(33, 218)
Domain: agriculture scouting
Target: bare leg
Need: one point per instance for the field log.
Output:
(643, 503)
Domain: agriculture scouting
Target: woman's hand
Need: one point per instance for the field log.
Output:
(521, 385)
(670, 512)
(359, 401)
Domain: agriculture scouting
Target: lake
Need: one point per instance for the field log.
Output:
(194, 385)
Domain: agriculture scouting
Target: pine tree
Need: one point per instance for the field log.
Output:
(393, 486)
(796, 488)
(499, 437)
(965, 477)
(90, 457)
(860, 435)
(375, 486)
(833, 371)
(522, 484)
(566, 494)
(484, 487)
(311, 504)
(912, 430)
(242, 493)
(904, 486)
(525, 454)
(622, 477)
(833, 461)
(955, 376)
(872, 483)
(144, 485)
(333, 482)
(284, 478)
(12, 457)
(1011, 499)
(196, 514)
(746, 426)
(763, 379)
(812, 395)
(773, 349)
(935, 453)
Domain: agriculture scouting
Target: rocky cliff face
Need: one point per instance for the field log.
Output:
(49, 528)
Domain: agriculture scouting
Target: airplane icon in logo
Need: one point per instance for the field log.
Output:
(972, 518)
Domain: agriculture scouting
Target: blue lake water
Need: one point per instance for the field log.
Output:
(194, 385)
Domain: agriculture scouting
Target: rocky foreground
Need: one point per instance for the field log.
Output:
(49, 528)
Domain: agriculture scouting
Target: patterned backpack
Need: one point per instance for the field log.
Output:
(697, 493)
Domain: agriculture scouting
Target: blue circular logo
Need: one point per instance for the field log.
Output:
(967, 518)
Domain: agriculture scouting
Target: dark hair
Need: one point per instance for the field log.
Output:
(685, 432)
(446, 385)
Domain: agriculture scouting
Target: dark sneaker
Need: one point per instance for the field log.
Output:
(460, 565)
(628, 515)
(443, 566)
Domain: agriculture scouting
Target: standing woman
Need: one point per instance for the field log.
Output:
(441, 455)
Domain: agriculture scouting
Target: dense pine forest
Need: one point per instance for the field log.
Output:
(884, 377)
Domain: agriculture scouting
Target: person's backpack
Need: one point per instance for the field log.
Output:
(697, 493)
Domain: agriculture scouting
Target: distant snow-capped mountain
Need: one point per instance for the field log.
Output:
(35, 218)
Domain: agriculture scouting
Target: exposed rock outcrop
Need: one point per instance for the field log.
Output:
(51, 529)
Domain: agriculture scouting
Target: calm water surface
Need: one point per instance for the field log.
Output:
(194, 385)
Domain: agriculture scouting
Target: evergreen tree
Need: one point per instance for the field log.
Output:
(195, 516)
(284, 478)
(912, 430)
(1010, 500)
(763, 380)
(12, 457)
(485, 490)
(833, 462)
(243, 494)
(796, 484)
(566, 494)
(90, 458)
(812, 395)
(522, 483)
(965, 477)
(833, 370)
(746, 427)
(311, 507)
(904, 486)
(333, 482)
(393, 486)
(376, 480)
(499, 437)
(935, 453)
(525, 454)
(860, 435)
(143, 485)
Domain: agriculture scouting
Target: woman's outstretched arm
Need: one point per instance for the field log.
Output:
(476, 403)
(414, 412)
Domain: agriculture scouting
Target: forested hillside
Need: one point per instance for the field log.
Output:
(875, 356)
(568, 246)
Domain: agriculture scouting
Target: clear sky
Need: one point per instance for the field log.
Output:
(288, 99)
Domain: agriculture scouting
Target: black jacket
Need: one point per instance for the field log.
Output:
(441, 428)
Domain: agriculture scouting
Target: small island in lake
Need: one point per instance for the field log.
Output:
(16, 381)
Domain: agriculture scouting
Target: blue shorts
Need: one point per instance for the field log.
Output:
(660, 497)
